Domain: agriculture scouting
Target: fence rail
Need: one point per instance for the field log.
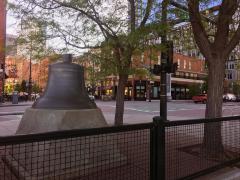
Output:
(158, 150)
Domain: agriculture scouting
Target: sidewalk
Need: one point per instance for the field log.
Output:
(25, 103)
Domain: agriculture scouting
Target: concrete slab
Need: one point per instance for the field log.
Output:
(8, 128)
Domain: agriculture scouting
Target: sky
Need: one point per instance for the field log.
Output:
(11, 25)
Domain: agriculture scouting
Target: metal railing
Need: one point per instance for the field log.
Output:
(197, 147)
(159, 150)
(102, 153)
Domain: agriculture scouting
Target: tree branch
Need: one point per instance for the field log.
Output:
(233, 42)
(183, 8)
(132, 15)
(96, 20)
(226, 12)
(198, 29)
(147, 13)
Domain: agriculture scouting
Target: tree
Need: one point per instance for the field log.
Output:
(194, 90)
(216, 48)
(86, 24)
(36, 88)
(236, 88)
(32, 43)
(23, 86)
(17, 87)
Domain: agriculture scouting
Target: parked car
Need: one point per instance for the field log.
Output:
(229, 97)
(237, 98)
(200, 98)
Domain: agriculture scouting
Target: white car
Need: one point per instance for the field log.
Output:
(229, 97)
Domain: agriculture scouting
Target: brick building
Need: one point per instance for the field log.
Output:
(17, 70)
(2, 42)
(191, 71)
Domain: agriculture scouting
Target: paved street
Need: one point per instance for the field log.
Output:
(142, 111)
(135, 112)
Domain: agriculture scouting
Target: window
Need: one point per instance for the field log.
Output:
(159, 59)
(230, 76)
(142, 57)
(184, 65)
(178, 62)
(190, 65)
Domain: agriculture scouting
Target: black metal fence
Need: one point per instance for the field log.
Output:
(158, 150)
(102, 153)
(197, 147)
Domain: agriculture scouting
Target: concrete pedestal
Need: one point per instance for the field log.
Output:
(64, 158)
(45, 120)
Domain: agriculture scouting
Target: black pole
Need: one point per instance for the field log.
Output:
(163, 86)
(30, 76)
(157, 142)
(150, 67)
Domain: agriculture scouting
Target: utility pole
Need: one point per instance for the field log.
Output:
(163, 85)
(30, 74)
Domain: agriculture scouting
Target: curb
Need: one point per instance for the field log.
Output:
(12, 113)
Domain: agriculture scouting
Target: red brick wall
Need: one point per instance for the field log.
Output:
(191, 64)
(39, 70)
(197, 65)
(2, 36)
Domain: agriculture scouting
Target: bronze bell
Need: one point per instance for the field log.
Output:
(65, 88)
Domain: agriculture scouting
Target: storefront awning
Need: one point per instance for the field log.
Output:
(183, 80)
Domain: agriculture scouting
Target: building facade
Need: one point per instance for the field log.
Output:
(143, 85)
(17, 70)
(2, 44)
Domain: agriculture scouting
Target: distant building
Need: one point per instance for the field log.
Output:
(11, 45)
(17, 70)
(191, 72)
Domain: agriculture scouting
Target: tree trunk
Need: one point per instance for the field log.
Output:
(212, 131)
(120, 99)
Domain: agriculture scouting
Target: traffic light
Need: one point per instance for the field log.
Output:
(156, 69)
(169, 52)
(170, 67)
(174, 67)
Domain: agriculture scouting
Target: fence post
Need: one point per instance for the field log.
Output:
(158, 149)
(153, 152)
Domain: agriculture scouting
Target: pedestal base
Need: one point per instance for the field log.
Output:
(45, 120)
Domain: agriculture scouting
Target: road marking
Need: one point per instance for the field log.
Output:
(149, 111)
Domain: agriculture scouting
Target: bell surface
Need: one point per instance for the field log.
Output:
(65, 88)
